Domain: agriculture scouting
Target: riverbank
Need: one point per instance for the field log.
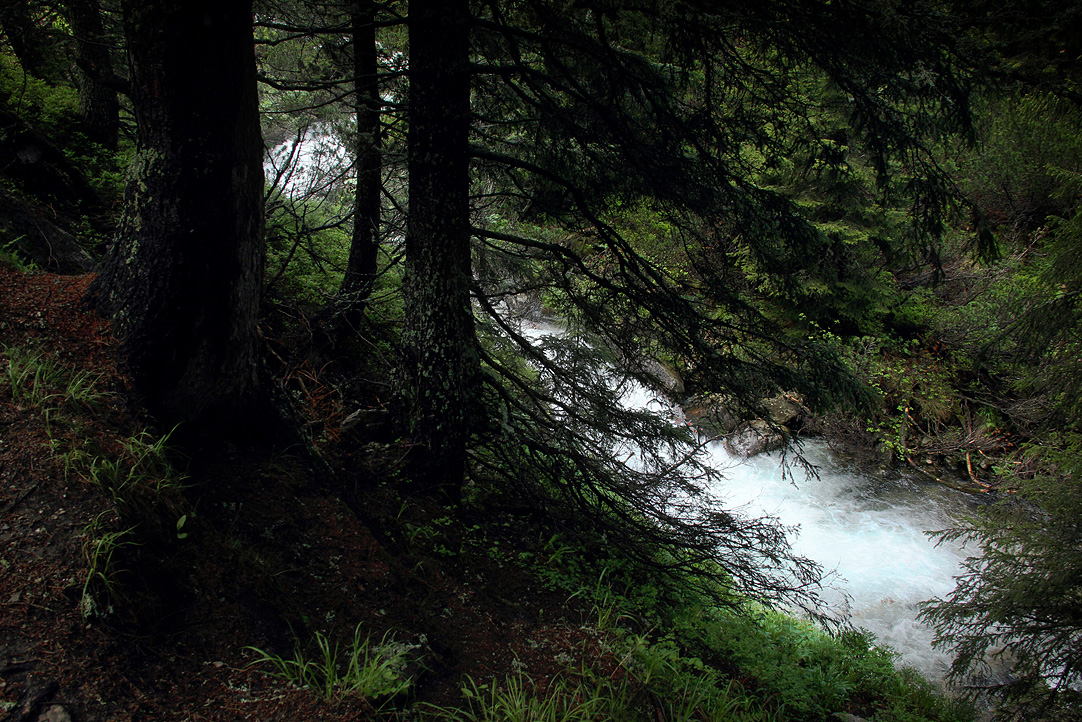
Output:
(140, 593)
(867, 525)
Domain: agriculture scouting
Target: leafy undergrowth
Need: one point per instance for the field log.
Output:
(252, 583)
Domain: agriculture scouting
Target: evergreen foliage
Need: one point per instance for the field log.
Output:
(1013, 619)
(754, 192)
(683, 112)
(1052, 317)
(1015, 607)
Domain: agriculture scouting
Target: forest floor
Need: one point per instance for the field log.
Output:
(145, 607)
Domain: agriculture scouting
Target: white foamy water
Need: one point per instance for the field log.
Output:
(307, 164)
(870, 531)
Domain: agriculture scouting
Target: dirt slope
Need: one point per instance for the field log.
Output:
(268, 553)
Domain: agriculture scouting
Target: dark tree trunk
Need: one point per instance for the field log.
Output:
(361, 269)
(25, 38)
(98, 105)
(440, 376)
(183, 279)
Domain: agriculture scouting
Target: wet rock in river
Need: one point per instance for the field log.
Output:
(755, 437)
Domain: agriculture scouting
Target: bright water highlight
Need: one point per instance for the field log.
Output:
(869, 531)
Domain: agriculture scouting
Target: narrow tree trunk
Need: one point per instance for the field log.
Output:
(362, 267)
(183, 279)
(439, 379)
(98, 105)
(27, 41)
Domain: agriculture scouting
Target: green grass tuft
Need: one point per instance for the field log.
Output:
(374, 671)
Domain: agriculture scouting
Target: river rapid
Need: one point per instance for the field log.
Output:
(870, 530)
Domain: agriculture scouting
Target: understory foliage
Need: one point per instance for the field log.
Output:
(1013, 619)
(655, 680)
(647, 646)
(670, 637)
(52, 109)
(373, 670)
(766, 197)
(306, 249)
(134, 474)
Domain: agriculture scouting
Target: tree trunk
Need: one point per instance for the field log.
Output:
(362, 267)
(439, 379)
(98, 105)
(27, 41)
(183, 279)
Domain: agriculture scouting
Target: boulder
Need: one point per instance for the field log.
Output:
(39, 239)
(995, 672)
(846, 717)
(786, 410)
(525, 306)
(54, 713)
(755, 437)
(41, 168)
(663, 375)
(711, 414)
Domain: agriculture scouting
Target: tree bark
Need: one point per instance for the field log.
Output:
(362, 266)
(183, 279)
(99, 108)
(439, 379)
(27, 41)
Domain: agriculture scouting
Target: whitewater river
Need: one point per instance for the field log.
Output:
(868, 529)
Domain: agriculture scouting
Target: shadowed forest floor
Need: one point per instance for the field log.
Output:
(154, 622)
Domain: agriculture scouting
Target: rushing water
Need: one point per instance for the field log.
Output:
(869, 530)
(309, 163)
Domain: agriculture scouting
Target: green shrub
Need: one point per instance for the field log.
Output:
(50, 108)
(53, 110)
(373, 671)
(101, 586)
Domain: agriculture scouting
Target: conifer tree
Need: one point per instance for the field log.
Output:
(362, 268)
(1012, 620)
(95, 78)
(581, 109)
(183, 279)
(437, 385)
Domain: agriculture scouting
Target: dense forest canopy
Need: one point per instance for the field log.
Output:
(871, 208)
